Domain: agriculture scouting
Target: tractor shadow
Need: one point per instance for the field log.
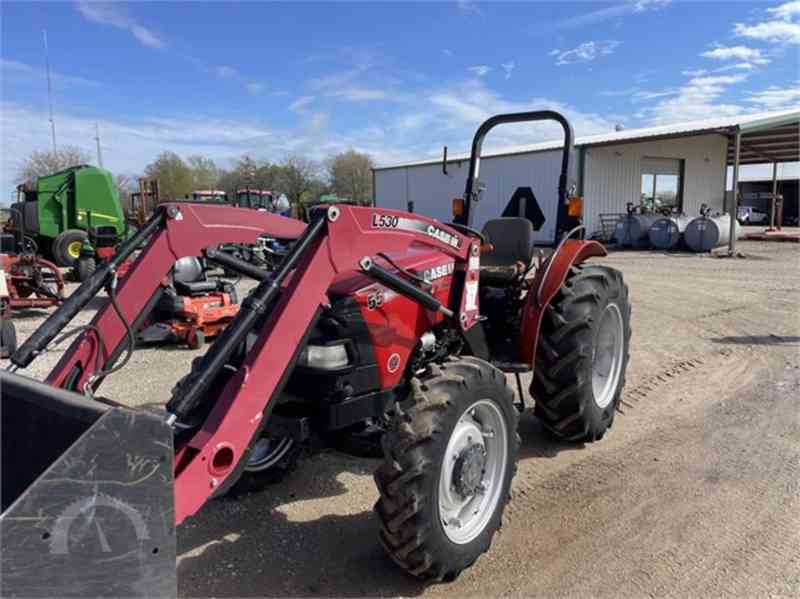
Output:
(29, 313)
(538, 442)
(285, 542)
(758, 340)
(276, 543)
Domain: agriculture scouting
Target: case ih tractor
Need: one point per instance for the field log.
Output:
(375, 319)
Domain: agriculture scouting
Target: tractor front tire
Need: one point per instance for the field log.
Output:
(582, 354)
(66, 248)
(8, 337)
(270, 460)
(85, 268)
(450, 455)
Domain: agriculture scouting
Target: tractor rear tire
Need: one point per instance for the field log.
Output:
(449, 458)
(66, 248)
(85, 268)
(582, 354)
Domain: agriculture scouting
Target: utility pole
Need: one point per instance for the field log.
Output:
(97, 139)
(49, 89)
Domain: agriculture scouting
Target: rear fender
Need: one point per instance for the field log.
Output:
(546, 283)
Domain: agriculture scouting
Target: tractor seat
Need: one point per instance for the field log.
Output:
(190, 279)
(195, 288)
(512, 241)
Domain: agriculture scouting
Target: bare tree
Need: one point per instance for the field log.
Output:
(125, 184)
(298, 176)
(41, 163)
(205, 174)
(350, 175)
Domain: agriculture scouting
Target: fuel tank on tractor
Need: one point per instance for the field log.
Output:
(87, 496)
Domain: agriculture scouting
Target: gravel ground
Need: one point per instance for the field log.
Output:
(695, 492)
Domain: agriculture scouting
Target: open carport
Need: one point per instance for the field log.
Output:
(772, 140)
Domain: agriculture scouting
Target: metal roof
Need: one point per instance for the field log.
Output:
(765, 136)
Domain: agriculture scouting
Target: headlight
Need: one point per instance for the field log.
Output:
(324, 357)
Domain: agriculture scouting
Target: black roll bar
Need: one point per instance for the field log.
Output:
(471, 191)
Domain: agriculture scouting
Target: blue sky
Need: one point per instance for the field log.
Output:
(397, 80)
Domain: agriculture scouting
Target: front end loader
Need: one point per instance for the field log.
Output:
(377, 328)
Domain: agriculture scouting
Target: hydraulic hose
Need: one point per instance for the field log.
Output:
(236, 264)
(59, 319)
(188, 394)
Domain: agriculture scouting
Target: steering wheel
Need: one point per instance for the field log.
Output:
(468, 231)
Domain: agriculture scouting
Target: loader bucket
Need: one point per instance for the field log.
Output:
(87, 496)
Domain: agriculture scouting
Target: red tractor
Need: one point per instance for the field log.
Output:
(375, 319)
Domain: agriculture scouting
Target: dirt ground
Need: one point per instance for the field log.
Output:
(694, 493)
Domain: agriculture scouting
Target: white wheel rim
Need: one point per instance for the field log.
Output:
(607, 356)
(267, 452)
(463, 514)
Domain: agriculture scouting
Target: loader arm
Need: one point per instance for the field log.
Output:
(187, 230)
(207, 463)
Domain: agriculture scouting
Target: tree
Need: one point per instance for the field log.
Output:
(350, 175)
(125, 184)
(174, 176)
(205, 174)
(41, 163)
(297, 177)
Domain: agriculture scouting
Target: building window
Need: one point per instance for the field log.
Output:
(662, 184)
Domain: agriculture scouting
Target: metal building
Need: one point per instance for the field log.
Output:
(682, 165)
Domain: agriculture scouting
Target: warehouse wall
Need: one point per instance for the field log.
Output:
(612, 177)
(432, 192)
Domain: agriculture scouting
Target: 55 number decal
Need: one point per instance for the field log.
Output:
(375, 300)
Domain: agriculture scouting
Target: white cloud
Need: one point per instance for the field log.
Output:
(639, 95)
(694, 72)
(479, 70)
(585, 52)
(644, 95)
(335, 81)
(358, 94)
(462, 107)
(468, 7)
(751, 55)
(776, 98)
(616, 11)
(14, 67)
(771, 31)
(696, 100)
(301, 104)
(739, 66)
(508, 68)
(412, 121)
(613, 93)
(786, 11)
(447, 52)
(130, 144)
(115, 14)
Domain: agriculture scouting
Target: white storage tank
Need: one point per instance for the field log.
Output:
(666, 232)
(705, 233)
(632, 230)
